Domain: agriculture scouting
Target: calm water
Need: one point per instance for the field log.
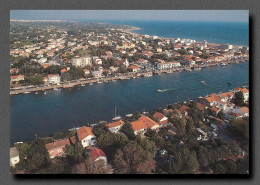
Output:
(214, 32)
(63, 109)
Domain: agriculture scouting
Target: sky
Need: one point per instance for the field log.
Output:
(174, 15)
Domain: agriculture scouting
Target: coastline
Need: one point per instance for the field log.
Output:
(25, 89)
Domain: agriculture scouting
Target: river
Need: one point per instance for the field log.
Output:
(65, 108)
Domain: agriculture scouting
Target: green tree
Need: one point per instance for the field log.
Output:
(128, 130)
(133, 159)
(76, 152)
(220, 169)
(231, 166)
(189, 126)
(239, 98)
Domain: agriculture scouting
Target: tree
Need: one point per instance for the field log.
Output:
(128, 130)
(220, 169)
(90, 167)
(189, 126)
(239, 98)
(133, 159)
(100, 129)
(221, 114)
(231, 166)
(75, 153)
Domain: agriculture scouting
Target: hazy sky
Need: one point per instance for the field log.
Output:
(190, 15)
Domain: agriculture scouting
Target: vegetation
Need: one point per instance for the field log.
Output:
(239, 99)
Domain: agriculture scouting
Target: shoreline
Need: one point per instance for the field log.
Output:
(26, 90)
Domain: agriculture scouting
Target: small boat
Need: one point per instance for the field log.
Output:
(129, 115)
(229, 83)
(36, 92)
(90, 84)
(27, 92)
(99, 82)
(223, 64)
(203, 82)
(45, 92)
(161, 90)
(55, 89)
(82, 85)
(117, 117)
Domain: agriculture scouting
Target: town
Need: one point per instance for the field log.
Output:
(51, 55)
(209, 135)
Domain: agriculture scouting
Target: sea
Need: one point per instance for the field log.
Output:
(42, 115)
(235, 33)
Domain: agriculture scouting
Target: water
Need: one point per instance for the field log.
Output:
(65, 108)
(214, 32)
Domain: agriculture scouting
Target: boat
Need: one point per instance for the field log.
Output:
(197, 69)
(45, 92)
(117, 117)
(27, 92)
(55, 89)
(90, 84)
(99, 82)
(161, 90)
(36, 92)
(82, 85)
(223, 64)
(129, 115)
(203, 82)
(229, 83)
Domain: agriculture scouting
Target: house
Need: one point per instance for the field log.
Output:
(85, 136)
(244, 111)
(142, 124)
(56, 148)
(168, 65)
(161, 119)
(98, 155)
(63, 71)
(210, 100)
(17, 78)
(167, 112)
(184, 110)
(114, 127)
(54, 78)
(201, 106)
(215, 110)
(134, 68)
(86, 72)
(14, 156)
(227, 96)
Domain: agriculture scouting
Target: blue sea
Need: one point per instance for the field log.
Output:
(234, 33)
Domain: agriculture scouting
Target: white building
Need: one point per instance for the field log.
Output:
(42, 60)
(168, 65)
(86, 136)
(82, 61)
(54, 78)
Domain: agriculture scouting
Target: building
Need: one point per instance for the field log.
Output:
(161, 119)
(114, 127)
(134, 68)
(144, 123)
(85, 136)
(86, 72)
(54, 78)
(14, 156)
(168, 65)
(82, 61)
(17, 78)
(56, 148)
(42, 60)
(98, 155)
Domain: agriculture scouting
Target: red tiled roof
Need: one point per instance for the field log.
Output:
(244, 90)
(115, 124)
(57, 143)
(184, 108)
(227, 94)
(133, 67)
(213, 97)
(158, 116)
(73, 139)
(142, 123)
(95, 153)
(84, 132)
(201, 106)
(17, 76)
(51, 75)
(244, 109)
(63, 70)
